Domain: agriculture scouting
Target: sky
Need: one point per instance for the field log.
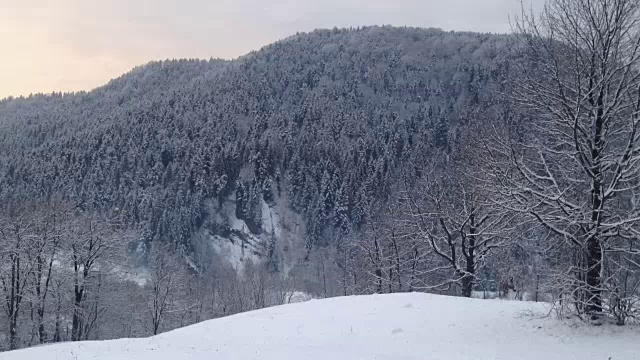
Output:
(70, 45)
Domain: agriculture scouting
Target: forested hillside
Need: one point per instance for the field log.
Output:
(323, 123)
(255, 174)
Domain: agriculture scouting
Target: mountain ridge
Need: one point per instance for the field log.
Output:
(323, 121)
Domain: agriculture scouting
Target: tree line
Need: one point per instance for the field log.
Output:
(66, 274)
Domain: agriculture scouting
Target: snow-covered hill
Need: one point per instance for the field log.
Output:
(402, 326)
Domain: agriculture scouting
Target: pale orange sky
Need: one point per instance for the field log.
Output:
(68, 45)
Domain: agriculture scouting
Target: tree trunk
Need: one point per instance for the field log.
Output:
(467, 285)
(324, 276)
(467, 279)
(594, 252)
(397, 260)
(414, 266)
(57, 335)
(76, 325)
(42, 335)
(378, 271)
(594, 263)
(13, 333)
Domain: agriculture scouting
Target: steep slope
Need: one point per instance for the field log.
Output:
(319, 126)
(400, 326)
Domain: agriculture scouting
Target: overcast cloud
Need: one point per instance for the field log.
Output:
(64, 45)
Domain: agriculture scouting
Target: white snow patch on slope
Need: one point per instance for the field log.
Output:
(139, 275)
(383, 327)
(236, 253)
(270, 220)
(238, 247)
(236, 223)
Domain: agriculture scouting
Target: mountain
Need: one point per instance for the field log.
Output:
(268, 156)
(390, 326)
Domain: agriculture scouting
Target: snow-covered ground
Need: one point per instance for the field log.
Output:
(402, 326)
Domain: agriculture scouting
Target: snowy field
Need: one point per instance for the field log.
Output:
(402, 326)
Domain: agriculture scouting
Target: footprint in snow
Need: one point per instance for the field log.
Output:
(408, 306)
(396, 331)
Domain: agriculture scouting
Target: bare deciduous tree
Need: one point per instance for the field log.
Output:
(166, 280)
(460, 224)
(15, 232)
(575, 145)
(43, 250)
(92, 244)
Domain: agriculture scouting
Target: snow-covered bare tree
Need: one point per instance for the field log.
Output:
(575, 141)
(167, 279)
(48, 231)
(460, 223)
(16, 231)
(385, 256)
(93, 243)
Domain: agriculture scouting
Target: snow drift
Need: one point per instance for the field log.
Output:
(400, 326)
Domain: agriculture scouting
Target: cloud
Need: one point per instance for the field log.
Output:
(80, 44)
